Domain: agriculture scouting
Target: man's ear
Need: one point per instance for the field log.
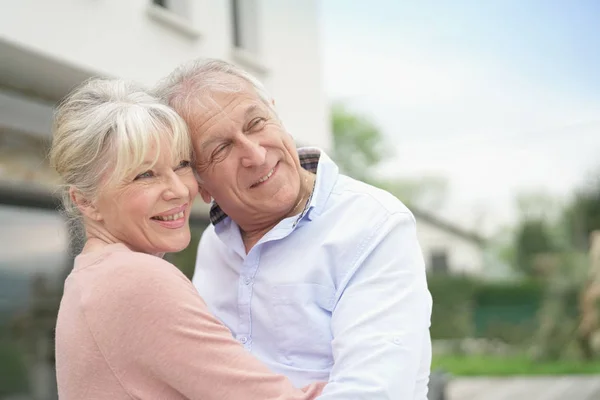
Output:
(84, 205)
(206, 197)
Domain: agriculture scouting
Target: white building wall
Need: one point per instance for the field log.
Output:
(291, 51)
(464, 255)
(134, 40)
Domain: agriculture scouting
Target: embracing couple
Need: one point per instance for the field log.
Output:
(308, 284)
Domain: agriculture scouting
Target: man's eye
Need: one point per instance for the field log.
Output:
(144, 175)
(256, 123)
(220, 153)
(220, 149)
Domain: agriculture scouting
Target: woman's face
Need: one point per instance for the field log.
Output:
(149, 210)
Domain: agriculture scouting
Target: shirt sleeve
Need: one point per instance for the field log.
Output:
(166, 333)
(380, 324)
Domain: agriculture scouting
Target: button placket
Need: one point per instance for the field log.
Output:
(245, 288)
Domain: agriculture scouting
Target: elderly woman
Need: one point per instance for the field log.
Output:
(131, 325)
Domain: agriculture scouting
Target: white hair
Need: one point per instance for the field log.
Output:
(190, 83)
(104, 130)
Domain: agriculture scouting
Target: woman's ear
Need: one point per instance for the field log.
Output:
(85, 206)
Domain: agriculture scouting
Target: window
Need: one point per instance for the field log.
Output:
(439, 262)
(179, 7)
(176, 14)
(245, 25)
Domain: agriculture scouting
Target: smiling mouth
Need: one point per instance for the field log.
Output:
(265, 178)
(172, 217)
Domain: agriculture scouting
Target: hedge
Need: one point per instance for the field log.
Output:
(468, 307)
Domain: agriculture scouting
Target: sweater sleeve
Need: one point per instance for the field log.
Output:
(152, 323)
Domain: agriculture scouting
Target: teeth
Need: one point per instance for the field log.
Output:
(264, 178)
(171, 217)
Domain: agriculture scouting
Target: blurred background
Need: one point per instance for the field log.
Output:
(483, 117)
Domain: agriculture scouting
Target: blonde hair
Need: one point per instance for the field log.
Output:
(104, 130)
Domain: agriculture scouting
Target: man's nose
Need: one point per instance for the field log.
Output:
(253, 153)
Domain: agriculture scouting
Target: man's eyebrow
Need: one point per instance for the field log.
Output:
(250, 110)
(209, 142)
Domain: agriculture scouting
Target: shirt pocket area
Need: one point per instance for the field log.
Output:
(302, 321)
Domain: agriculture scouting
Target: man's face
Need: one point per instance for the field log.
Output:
(245, 159)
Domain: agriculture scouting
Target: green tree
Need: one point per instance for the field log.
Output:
(582, 216)
(533, 238)
(538, 231)
(359, 147)
(427, 192)
(358, 144)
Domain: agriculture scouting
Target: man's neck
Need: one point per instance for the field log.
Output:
(251, 236)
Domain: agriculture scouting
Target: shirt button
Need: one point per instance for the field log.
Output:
(243, 339)
(247, 281)
(397, 340)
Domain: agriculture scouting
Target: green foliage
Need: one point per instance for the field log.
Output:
(185, 260)
(508, 294)
(509, 311)
(359, 147)
(427, 192)
(582, 216)
(482, 365)
(358, 144)
(13, 371)
(452, 313)
(533, 237)
(549, 243)
(558, 318)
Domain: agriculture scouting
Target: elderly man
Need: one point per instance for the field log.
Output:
(318, 275)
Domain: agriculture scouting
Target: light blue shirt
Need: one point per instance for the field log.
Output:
(337, 294)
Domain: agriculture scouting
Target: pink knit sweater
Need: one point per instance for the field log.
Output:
(132, 326)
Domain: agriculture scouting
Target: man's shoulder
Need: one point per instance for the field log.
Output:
(210, 244)
(209, 236)
(371, 199)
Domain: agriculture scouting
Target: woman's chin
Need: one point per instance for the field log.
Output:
(179, 246)
(172, 247)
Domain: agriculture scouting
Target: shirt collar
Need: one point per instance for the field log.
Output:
(311, 159)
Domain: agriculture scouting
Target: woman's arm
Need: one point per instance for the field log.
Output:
(166, 332)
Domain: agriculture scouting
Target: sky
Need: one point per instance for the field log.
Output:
(498, 97)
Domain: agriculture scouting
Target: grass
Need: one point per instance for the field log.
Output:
(511, 366)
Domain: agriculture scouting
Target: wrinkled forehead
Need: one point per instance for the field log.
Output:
(217, 112)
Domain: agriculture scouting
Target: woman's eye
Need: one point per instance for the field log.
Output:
(143, 175)
(183, 164)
